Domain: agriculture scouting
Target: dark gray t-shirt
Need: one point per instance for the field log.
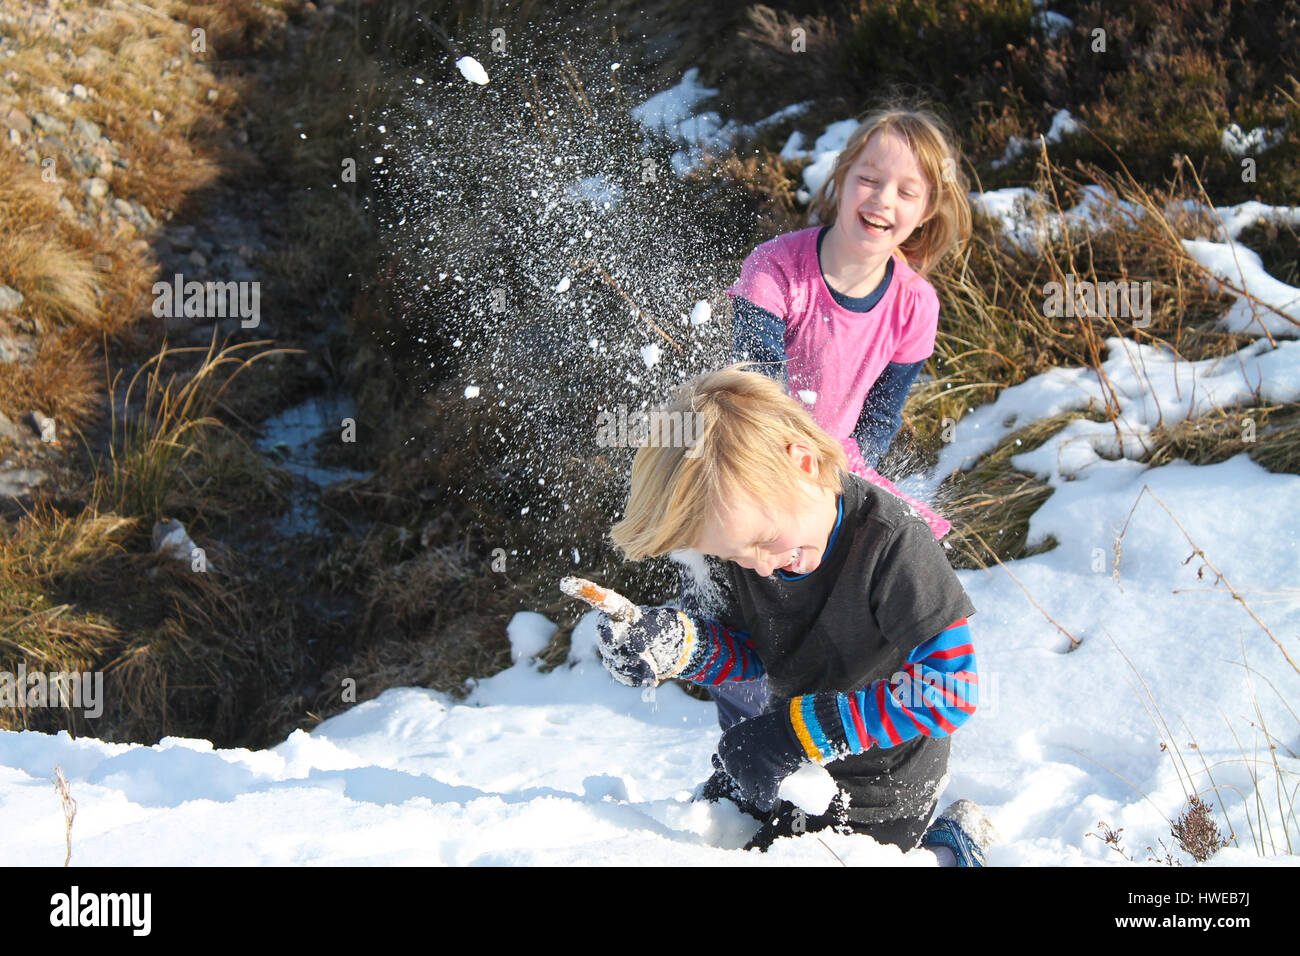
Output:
(883, 587)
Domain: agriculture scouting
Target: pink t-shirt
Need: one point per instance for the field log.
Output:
(835, 355)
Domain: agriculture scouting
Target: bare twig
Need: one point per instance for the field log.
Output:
(69, 809)
(593, 264)
(1074, 641)
(1197, 552)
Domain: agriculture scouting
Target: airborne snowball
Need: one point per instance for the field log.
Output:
(701, 313)
(472, 70)
(562, 285)
(471, 391)
(650, 354)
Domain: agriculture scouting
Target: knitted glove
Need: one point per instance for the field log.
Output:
(759, 753)
(642, 653)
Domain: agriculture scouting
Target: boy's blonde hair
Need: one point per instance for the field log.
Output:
(743, 424)
(949, 224)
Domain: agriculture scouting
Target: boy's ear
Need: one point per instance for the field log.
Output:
(803, 456)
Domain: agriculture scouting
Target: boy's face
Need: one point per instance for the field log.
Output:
(764, 539)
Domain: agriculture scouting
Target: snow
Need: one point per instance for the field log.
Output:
(1272, 305)
(293, 437)
(701, 312)
(1263, 303)
(650, 354)
(825, 151)
(810, 788)
(1237, 142)
(529, 633)
(601, 190)
(1063, 124)
(569, 767)
(472, 70)
(471, 391)
(1051, 23)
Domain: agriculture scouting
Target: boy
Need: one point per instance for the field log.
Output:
(834, 590)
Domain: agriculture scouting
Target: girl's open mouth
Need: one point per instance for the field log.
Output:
(873, 225)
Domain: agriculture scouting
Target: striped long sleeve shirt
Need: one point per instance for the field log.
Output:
(933, 694)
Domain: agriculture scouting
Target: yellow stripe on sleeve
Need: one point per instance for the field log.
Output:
(801, 730)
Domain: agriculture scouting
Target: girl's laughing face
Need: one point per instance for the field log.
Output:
(884, 197)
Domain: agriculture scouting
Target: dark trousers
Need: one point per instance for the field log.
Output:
(739, 700)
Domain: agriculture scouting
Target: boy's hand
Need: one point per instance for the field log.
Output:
(758, 754)
(644, 652)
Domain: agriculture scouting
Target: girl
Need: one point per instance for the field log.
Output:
(844, 311)
(845, 307)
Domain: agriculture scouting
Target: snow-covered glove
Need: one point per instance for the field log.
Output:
(644, 652)
(759, 753)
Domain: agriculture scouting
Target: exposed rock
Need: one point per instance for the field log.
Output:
(49, 124)
(85, 163)
(17, 348)
(17, 482)
(87, 130)
(171, 538)
(10, 299)
(16, 119)
(95, 187)
(8, 429)
(43, 425)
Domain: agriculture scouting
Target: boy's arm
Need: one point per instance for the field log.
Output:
(933, 694)
(722, 650)
(882, 412)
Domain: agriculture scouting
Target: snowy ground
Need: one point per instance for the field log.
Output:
(568, 767)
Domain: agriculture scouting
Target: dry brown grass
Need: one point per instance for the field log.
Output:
(37, 254)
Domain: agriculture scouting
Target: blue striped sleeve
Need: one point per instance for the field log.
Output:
(933, 694)
(721, 654)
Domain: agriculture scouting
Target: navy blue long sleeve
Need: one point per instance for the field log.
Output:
(882, 412)
(759, 336)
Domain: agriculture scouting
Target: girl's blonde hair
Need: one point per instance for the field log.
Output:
(742, 423)
(948, 225)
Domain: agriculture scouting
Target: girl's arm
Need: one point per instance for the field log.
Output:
(882, 412)
(758, 335)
